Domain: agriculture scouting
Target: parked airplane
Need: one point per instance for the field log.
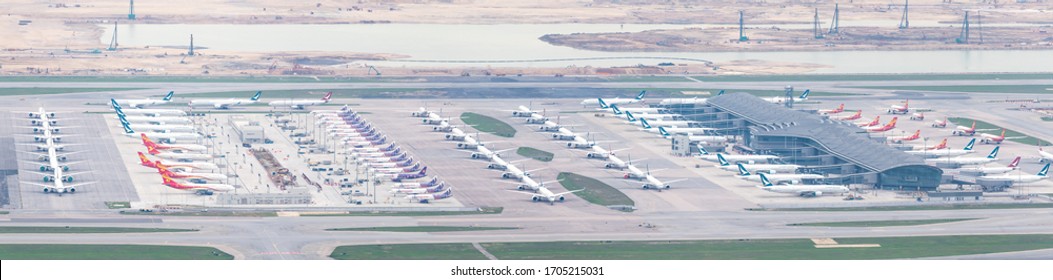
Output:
(667, 132)
(1044, 156)
(616, 101)
(434, 181)
(429, 197)
(967, 160)
(801, 190)
(938, 146)
(407, 176)
(226, 103)
(917, 116)
(963, 131)
(203, 189)
(162, 169)
(734, 158)
(169, 137)
(162, 120)
(144, 161)
(992, 169)
(1022, 178)
(945, 152)
(435, 189)
(301, 103)
(777, 178)
(759, 168)
(903, 109)
(162, 127)
(177, 156)
(619, 110)
(875, 122)
(987, 138)
(545, 195)
(939, 123)
(856, 116)
(886, 127)
(783, 99)
(523, 111)
(901, 139)
(837, 110)
(629, 116)
(147, 112)
(422, 113)
(140, 103)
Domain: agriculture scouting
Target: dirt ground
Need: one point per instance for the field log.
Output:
(40, 46)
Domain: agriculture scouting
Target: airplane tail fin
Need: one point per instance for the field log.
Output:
(640, 96)
(152, 150)
(603, 105)
(764, 180)
(1003, 133)
(974, 125)
(113, 103)
(841, 107)
(645, 124)
(743, 171)
(168, 97)
(892, 124)
(617, 111)
(917, 133)
(146, 140)
(804, 95)
(1044, 171)
(969, 147)
(629, 115)
(723, 162)
(256, 96)
(994, 153)
(167, 180)
(126, 128)
(423, 171)
(662, 130)
(328, 95)
(702, 149)
(720, 93)
(1016, 161)
(143, 159)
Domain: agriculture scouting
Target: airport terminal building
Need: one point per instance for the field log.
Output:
(843, 152)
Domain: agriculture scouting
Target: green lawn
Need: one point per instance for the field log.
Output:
(422, 229)
(982, 125)
(118, 204)
(109, 252)
(48, 90)
(888, 223)
(871, 77)
(448, 251)
(190, 79)
(488, 124)
(482, 210)
(997, 88)
(648, 79)
(7, 229)
(595, 191)
(4, 212)
(741, 249)
(535, 154)
(916, 208)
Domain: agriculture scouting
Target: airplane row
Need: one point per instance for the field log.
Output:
(366, 144)
(138, 105)
(593, 151)
(55, 161)
(538, 191)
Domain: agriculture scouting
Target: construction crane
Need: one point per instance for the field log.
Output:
(372, 70)
(834, 25)
(963, 38)
(904, 23)
(817, 28)
(131, 10)
(113, 42)
(742, 35)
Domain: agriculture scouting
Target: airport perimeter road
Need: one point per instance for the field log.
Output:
(305, 238)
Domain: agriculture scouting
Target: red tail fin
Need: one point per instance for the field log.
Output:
(143, 159)
(146, 140)
(327, 96)
(166, 180)
(974, 125)
(1016, 161)
(916, 134)
(1003, 133)
(152, 150)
